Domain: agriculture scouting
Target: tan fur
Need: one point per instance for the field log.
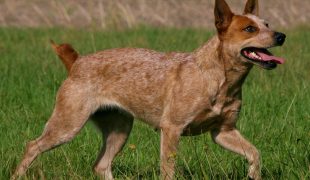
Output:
(66, 53)
(178, 93)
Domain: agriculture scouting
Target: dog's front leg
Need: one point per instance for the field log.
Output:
(170, 135)
(233, 141)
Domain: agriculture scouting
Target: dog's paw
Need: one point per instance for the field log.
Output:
(254, 173)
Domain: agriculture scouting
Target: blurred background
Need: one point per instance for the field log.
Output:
(129, 13)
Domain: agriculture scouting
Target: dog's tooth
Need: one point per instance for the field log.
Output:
(253, 54)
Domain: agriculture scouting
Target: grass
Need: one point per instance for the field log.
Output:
(275, 115)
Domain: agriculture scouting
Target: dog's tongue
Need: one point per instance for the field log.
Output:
(266, 57)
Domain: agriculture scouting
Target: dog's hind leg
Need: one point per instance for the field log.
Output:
(115, 127)
(72, 109)
(233, 141)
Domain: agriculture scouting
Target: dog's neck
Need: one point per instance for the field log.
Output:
(213, 54)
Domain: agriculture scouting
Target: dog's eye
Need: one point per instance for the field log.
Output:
(250, 29)
(267, 25)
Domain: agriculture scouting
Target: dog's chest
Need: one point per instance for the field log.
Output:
(224, 110)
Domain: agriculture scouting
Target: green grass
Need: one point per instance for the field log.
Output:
(275, 115)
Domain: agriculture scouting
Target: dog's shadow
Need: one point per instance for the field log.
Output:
(182, 173)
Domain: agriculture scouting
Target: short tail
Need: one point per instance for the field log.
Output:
(66, 53)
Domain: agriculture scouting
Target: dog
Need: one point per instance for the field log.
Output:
(181, 94)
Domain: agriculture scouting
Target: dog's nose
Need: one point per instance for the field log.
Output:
(279, 38)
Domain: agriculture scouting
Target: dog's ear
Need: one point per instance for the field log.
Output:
(223, 15)
(251, 7)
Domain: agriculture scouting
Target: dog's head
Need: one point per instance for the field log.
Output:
(247, 36)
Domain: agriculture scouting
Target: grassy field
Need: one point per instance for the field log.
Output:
(275, 115)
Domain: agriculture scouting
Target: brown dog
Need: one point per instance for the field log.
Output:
(178, 93)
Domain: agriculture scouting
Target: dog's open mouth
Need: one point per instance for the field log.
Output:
(261, 57)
